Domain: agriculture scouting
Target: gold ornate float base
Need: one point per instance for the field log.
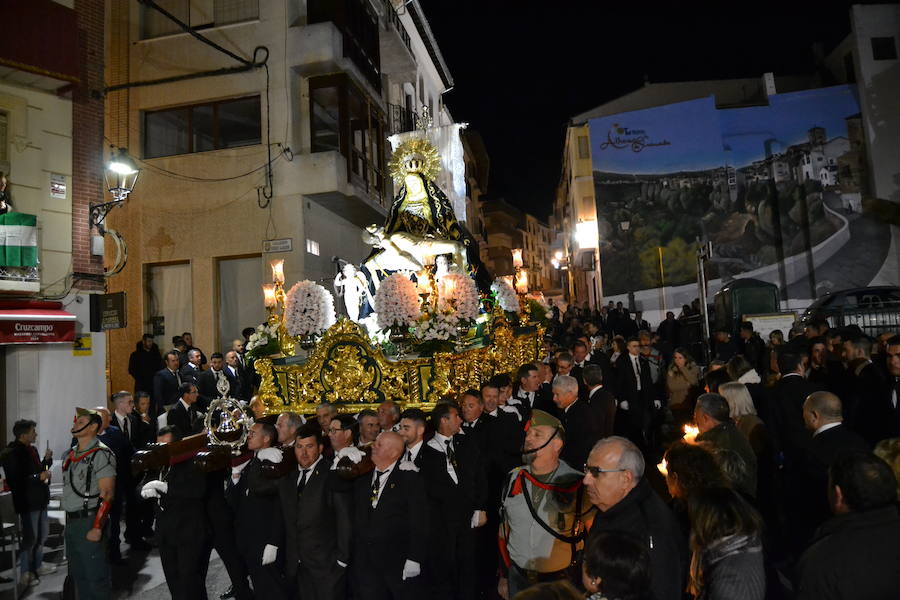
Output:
(347, 370)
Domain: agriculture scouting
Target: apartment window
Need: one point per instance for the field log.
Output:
(312, 247)
(584, 150)
(345, 119)
(202, 15)
(202, 127)
(884, 48)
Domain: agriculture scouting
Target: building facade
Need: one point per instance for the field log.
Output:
(293, 152)
(51, 151)
(507, 228)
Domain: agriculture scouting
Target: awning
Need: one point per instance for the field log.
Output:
(36, 326)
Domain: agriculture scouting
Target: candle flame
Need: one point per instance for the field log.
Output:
(663, 468)
(690, 433)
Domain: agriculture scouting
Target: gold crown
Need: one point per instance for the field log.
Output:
(416, 155)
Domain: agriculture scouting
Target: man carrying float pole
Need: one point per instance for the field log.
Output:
(89, 479)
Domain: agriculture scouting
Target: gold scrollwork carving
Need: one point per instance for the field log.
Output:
(346, 369)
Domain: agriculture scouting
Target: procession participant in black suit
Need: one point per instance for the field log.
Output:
(166, 383)
(389, 510)
(412, 430)
(455, 484)
(530, 395)
(184, 414)
(869, 412)
(188, 338)
(192, 369)
(579, 362)
(788, 397)
(181, 526)
(636, 395)
(892, 362)
(254, 499)
(314, 531)
(601, 401)
(208, 381)
(288, 424)
(144, 362)
(135, 432)
(243, 383)
(577, 418)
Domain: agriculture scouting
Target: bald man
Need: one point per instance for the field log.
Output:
(823, 416)
(389, 505)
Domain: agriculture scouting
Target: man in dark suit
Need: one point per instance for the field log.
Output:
(116, 441)
(636, 395)
(165, 385)
(453, 470)
(314, 531)
(579, 421)
(184, 414)
(892, 363)
(144, 362)
(530, 394)
(869, 412)
(188, 338)
(254, 499)
(181, 527)
(788, 397)
(601, 401)
(192, 369)
(208, 380)
(579, 362)
(412, 430)
(134, 431)
(389, 510)
(243, 383)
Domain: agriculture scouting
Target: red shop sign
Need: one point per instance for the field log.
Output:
(35, 326)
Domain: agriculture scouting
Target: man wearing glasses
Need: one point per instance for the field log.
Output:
(615, 484)
(544, 513)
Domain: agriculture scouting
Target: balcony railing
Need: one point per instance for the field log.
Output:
(394, 19)
(358, 25)
(402, 119)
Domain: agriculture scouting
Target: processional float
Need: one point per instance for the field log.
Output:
(428, 322)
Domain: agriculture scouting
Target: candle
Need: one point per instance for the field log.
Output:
(278, 270)
(663, 468)
(449, 287)
(690, 434)
(269, 295)
(517, 257)
(522, 282)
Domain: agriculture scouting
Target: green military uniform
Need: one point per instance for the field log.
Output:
(82, 472)
(556, 499)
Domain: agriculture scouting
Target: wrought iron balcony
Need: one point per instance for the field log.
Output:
(402, 119)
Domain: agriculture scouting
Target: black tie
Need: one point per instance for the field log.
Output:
(302, 483)
(409, 455)
(376, 487)
(192, 416)
(125, 428)
(177, 377)
(451, 455)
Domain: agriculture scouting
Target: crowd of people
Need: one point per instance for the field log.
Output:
(572, 477)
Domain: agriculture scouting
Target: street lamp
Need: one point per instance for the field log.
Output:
(121, 175)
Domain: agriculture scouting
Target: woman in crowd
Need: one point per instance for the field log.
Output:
(682, 383)
(727, 557)
(616, 567)
(741, 371)
(688, 469)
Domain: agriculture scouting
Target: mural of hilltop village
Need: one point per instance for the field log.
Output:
(769, 186)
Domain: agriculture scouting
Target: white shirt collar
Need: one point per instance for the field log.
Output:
(493, 413)
(121, 417)
(414, 450)
(385, 473)
(442, 439)
(310, 468)
(826, 427)
(184, 404)
(566, 409)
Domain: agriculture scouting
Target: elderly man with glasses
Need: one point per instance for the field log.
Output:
(545, 512)
(615, 483)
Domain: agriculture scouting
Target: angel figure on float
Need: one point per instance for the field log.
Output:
(350, 284)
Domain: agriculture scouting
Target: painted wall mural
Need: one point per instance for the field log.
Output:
(776, 189)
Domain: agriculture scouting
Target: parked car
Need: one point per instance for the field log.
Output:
(874, 309)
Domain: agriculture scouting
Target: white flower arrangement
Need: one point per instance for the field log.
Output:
(439, 326)
(261, 338)
(506, 295)
(396, 302)
(459, 297)
(308, 309)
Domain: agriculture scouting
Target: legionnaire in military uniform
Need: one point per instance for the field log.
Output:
(545, 512)
(89, 478)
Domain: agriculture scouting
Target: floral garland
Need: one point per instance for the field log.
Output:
(506, 295)
(396, 302)
(462, 301)
(308, 309)
(437, 327)
(263, 341)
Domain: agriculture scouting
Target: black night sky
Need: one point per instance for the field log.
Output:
(522, 69)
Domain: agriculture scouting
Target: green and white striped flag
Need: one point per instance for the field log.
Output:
(18, 240)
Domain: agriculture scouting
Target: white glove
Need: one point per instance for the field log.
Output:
(479, 518)
(270, 553)
(411, 569)
(657, 404)
(154, 489)
(342, 564)
(352, 452)
(408, 465)
(623, 404)
(273, 455)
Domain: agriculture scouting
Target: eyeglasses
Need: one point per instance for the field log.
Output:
(596, 471)
(335, 430)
